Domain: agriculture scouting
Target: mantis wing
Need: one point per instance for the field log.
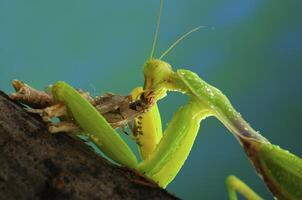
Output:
(94, 125)
(280, 169)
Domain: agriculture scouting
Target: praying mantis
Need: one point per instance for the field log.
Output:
(164, 154)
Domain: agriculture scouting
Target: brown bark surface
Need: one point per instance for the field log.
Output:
(35, 164)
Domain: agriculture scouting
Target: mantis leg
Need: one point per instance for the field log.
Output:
(169, 156)
(147, 128)
(234, 185)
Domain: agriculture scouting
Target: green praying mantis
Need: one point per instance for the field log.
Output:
(164, 153)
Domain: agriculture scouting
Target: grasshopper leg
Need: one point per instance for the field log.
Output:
(56, 110)
(30, 96)
(68, 127)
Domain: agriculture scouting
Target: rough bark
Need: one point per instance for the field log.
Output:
(35, 164)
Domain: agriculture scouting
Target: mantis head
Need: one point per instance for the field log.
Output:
(158, 75)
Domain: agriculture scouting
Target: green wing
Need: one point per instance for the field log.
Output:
(94, 125)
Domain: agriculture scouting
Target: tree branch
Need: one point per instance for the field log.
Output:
(35, 164)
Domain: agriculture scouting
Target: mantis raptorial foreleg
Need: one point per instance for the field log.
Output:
(234, 185)
(167, 159)
(147, 128)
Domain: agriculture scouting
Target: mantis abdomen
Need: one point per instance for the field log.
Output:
(281, 170)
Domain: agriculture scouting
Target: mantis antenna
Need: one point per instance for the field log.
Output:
(157, 28)
(157, 31)
(179, 40)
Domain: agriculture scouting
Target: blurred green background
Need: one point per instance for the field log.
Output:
(250, 49)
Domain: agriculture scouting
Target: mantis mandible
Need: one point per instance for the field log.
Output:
(163, 154)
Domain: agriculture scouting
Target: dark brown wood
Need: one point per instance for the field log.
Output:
(35, 164)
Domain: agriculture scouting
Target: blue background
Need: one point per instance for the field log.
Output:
(250, 49)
